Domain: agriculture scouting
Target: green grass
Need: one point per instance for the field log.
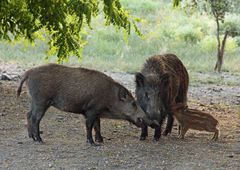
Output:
(23, 53)
(165, 31)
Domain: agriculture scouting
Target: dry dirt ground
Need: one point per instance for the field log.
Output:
(65, 138)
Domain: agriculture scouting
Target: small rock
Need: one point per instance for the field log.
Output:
(211, 103)
(50, 165)
(5, 77)
(60, 118)
(3, 114)
(238, 152)
(230, 156)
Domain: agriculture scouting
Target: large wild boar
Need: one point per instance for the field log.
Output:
(194, 119)
(82, 91)
(162, 82)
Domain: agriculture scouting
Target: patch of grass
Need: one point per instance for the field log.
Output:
(23, 53)
(141, 7)
(213, 78)
(165, 31)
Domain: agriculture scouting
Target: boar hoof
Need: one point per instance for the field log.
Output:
(40, 142)
(94, 144)
(165, 133)
(39, 139)
(156, 139)
(99, 139)
(214, 138)
(180, 136)
(142, 138)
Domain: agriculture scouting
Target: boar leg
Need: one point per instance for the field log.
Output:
(29, 124)
(158, 130)
(169, 126)
(144, 133)
(90, 119)
(182, 132)
(97, 128)
(179, 129)
(38, 112)
(157, 133)
(215, 136)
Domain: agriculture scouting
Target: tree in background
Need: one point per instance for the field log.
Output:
(219, 10)
(61, 20)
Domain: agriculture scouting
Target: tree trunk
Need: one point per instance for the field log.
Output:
(221, 50)
(220, 47)
(218, 63)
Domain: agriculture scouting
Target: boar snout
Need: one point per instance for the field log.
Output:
(156, 113)
(154, 124)
(150, 122)
(140, 122)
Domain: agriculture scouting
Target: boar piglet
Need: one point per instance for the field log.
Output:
(194, 119)
(162, 82)
(81, 91)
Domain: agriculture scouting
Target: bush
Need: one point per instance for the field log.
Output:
(232, 24)
(189, 34)
(209, 43)
(141, 7)
(191, 37)
(237, 39)
(231, 45)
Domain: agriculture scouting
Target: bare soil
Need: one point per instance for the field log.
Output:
(65, 138)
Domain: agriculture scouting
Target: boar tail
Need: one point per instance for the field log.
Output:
(24, 78)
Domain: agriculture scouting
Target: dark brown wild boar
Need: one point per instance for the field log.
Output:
(194, 119)
(82, 91)
(162, 82)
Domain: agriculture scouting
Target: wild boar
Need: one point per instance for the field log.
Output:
(162, 82)
(194, 119)
(82, 91)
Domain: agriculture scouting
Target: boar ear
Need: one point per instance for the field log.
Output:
(165, 78)
(122, 94)
(139, 79)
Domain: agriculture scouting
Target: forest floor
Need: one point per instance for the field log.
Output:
(65, 137)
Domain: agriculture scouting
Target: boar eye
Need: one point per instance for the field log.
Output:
(147, 96)
(134, 104)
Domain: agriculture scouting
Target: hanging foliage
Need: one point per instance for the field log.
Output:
(62, 20)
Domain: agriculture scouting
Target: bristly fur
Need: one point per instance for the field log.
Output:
(168, 63)
(81, 91)
(166, 76)
(194, 119)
